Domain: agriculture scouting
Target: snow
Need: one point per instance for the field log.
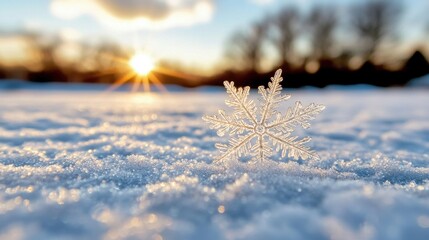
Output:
(95, 165)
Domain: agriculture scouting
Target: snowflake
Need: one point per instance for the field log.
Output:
(259, 130)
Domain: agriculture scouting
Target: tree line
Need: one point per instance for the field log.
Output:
(368, 25)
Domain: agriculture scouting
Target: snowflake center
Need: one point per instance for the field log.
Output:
(260, 129)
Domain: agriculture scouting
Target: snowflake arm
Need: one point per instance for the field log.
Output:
(238, 100)
(271, 96)
(292, 148)
(237, 147)
(226, 124)
(261, 150)
(298, 115)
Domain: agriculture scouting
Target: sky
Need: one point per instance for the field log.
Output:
(192, 32)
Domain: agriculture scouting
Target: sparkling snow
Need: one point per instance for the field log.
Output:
(94, 165)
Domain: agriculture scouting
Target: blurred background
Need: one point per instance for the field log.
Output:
(204, 42)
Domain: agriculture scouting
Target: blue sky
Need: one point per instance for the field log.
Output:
(200, 44)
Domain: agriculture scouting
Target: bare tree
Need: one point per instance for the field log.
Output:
(322, 22)
(374, 21)
(286, 28)
(247, 47)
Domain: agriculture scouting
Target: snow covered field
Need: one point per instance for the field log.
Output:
(94, 165)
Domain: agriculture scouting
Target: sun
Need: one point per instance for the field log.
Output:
(142, 64)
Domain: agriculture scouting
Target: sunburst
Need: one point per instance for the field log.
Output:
(140, 69)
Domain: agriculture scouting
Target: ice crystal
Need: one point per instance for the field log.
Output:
(259, 130)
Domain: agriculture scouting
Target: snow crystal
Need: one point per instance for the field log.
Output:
(250, 134)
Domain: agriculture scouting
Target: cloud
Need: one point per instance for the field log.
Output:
(137, 14)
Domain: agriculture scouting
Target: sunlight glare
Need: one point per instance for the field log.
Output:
(142, 64)
(147, 98)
